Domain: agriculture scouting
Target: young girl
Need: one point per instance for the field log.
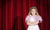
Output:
(32, 19)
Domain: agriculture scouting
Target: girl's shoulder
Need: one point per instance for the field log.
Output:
(38, 16)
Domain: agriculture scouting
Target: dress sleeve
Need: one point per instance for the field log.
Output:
(27, 18)
(40, 18)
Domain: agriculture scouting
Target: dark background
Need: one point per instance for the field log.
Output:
(13, 13)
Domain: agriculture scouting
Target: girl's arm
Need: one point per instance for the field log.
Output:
(29, 23)
(32, 23)
(36, 22)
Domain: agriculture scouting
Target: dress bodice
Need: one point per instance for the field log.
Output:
(33, 18)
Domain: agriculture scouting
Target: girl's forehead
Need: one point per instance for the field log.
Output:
(33, 9)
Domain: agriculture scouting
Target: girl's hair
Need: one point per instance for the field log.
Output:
(35, 10)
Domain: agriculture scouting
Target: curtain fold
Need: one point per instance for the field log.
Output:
(14, 12)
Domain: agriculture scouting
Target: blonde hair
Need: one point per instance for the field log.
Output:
(35, 10)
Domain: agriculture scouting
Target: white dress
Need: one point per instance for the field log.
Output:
(32, 18)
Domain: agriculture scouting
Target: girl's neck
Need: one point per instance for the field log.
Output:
(33, 15)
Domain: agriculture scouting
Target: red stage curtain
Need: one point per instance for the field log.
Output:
(13, 13)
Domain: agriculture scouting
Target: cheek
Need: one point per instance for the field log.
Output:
(31, 12)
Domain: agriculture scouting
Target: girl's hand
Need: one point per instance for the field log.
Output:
(32, 22)
(36, 22)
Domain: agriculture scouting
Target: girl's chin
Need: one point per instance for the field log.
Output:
(33, 14)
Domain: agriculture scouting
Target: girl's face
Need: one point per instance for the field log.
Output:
(33, 11)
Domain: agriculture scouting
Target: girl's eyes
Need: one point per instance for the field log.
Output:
(32, 11)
